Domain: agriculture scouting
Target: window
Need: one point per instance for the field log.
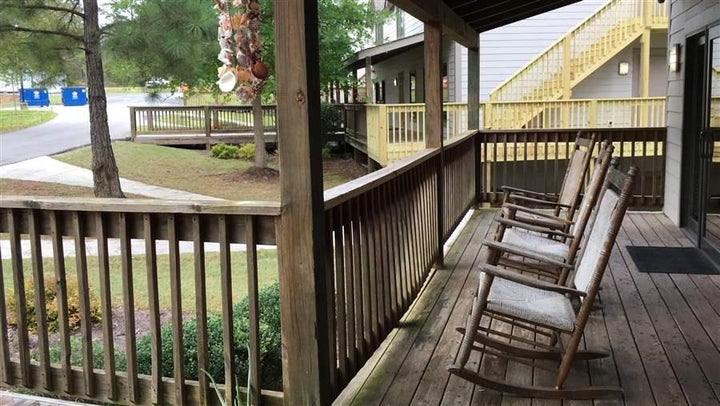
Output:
(413, 95)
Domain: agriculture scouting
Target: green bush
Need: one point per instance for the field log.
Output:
(330, 119)
(51, 306)
(326, 153)
(247, 151)
(270, 349)
(224, 151)
(98, 354)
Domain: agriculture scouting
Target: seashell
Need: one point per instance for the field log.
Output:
(254, 6)
(243, 74)
(245, 18)
(259, 70)
(237, 21)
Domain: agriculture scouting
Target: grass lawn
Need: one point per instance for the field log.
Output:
(13, 120)
(267, 274)
(196, 171)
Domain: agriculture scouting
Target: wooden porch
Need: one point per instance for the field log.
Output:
(663, 331)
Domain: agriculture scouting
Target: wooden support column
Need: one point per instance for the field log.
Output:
(300, 236)
(474, 115)
(473, 88)
(433, 116)
(368, 81)
(645, 60)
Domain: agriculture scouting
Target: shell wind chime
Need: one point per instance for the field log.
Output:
(239, 38)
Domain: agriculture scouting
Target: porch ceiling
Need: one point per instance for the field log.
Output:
(463, 20)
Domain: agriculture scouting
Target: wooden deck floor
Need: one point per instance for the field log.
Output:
(663, 331)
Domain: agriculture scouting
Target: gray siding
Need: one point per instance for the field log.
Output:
(506, 49)
(687, 17)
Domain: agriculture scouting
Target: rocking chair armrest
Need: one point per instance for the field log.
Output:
(528, 281)
(540, 202)
(533, 227)
(514, 191)
(520, 208)
(528, 254)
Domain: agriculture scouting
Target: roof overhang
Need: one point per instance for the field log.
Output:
(464, 20)
(382, 52)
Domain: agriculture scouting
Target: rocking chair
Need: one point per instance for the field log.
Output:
(516, 237)
(510, 296)
(567, 198)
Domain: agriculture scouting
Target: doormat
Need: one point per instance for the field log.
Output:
(686, 260)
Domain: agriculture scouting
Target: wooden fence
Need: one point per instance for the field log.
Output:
(108, 223)
(382, 237)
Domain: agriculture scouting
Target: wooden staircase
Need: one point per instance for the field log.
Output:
(580, 52)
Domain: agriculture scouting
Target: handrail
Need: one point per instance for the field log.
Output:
(577, 41)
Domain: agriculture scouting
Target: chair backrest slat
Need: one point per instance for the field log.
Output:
(577, 168)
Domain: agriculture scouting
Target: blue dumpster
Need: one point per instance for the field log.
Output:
(74, 96)
(35, 97)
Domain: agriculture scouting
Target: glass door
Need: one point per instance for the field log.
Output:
(711, 154)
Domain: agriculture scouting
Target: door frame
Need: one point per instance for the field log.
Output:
(695, 229)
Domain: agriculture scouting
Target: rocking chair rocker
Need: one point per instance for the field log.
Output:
(507, 295)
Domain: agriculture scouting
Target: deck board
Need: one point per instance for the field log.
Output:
(663, 332)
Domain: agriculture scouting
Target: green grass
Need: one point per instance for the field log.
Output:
(120, 89)
(267, 274)
(175, 168)
(55, 99)
(13, 120)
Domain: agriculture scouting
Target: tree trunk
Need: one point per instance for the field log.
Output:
(259, 133)
(105, 172)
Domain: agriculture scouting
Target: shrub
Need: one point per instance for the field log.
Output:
(326, 153)
(51, 306)
(98, 354)
(330, 119)
(224, 151)
(270, 349)
(247, 151)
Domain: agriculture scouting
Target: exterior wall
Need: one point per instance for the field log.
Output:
(605, 82)
(408, 62)
(686, 18)
(506, 49)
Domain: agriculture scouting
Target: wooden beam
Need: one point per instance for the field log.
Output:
(473, 88)
(433, 117)
(437, 12)
(301, 240)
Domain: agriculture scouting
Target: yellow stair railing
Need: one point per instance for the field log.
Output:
(580, 52)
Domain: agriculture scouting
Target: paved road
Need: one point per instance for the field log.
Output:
(71, 129)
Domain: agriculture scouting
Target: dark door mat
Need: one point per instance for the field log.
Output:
(686, 260)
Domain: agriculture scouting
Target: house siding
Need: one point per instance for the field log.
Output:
(686, 18)
(506, 49)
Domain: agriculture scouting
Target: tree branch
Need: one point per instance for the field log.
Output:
(72, 11)
(8, 28)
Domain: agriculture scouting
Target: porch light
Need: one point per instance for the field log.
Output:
(623, 68)
(395, 82)
(674, 58)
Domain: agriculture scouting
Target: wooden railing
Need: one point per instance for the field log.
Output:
(395, 131)
(382, 237)
(204, 120)
(629, 112)
(577, 54)
(537, 160)
(63, 228)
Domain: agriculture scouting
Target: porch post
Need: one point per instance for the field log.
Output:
(300, 228)
(433, 115)
(368, 82)
(473, 89)
(474, 115)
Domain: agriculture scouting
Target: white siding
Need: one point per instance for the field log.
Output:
(605, 82)
(687, 18)
(506, 49)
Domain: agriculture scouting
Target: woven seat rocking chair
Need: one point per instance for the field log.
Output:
(507, 295)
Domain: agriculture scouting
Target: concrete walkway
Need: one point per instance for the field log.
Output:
(46, 169)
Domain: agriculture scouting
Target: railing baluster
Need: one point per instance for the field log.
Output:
(154, 308)
(330, 302)
(254, 310)
(129, 307)
(106, 306)
(227, 310)
(20, 302)
(201, 309)
(364, 269)
(176, 305)
(84, 292)
(39, 287)
(358, 286)
(340, 296)
(62, 300)
(349, 287)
